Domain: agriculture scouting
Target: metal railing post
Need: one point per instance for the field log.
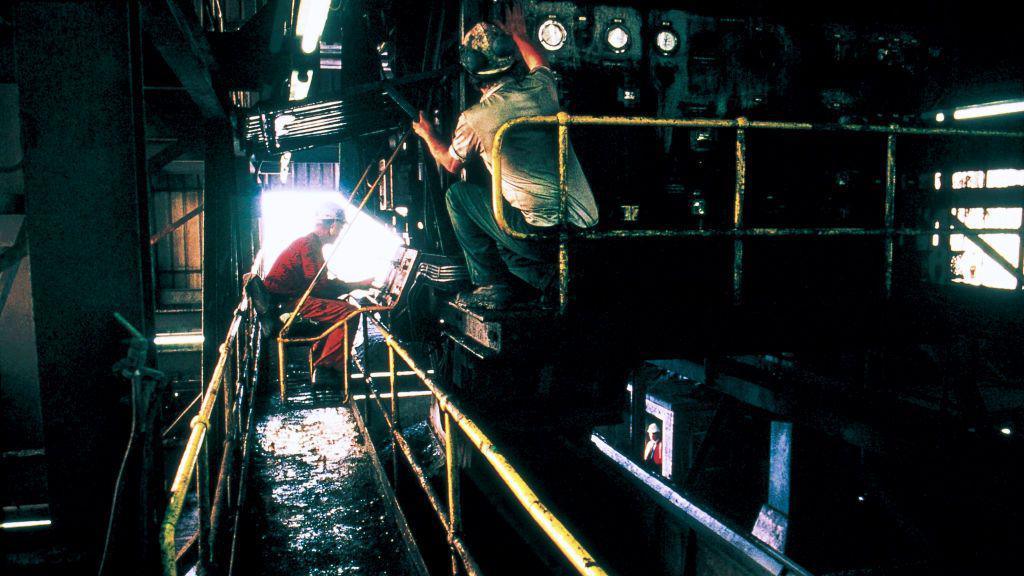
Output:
(890, 213)
(454, 492)
(737, 210)
(203, 497)
(344, 364)
(394, 418)
(563, 225)
(281, 362)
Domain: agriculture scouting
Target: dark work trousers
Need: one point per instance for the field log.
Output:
(486, 245)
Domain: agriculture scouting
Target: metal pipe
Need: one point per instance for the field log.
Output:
(281, 362)
(394, 417)
(737, 210)
(220, 494)
(181, 417)
(563, 225)
(244, 472)
(421, 477)
(577, 555)
(344, 364)
(186, 467)
(584, 120)
(889, 208)
(454, 500)
(776, 233)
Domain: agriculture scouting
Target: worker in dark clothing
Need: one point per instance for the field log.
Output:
(296, 267)
(529, 170)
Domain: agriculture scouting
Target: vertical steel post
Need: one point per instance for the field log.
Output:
(394, 419)
(890, 211)
(78, 67)
(454, 507)
(203, 497)
(344, 364)
(737, 210)
(563, 225)
(281, 363)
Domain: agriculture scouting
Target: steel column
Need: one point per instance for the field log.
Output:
(737, 209)
(79, 78)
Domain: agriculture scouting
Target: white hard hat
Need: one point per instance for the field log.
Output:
(652, 429)
(329, 211)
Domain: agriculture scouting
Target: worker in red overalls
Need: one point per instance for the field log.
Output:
(296, 267)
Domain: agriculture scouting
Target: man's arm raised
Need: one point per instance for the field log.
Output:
(515, 26)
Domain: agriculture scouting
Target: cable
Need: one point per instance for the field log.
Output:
(120, 480)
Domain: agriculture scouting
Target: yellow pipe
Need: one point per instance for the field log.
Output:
(183, 477)
(582, 560)
(344, 364)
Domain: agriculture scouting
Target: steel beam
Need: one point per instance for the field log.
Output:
(174, 30)
(80, 79)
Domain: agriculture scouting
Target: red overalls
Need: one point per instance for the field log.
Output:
(288, 279)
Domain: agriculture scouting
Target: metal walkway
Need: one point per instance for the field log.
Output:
(317, 506)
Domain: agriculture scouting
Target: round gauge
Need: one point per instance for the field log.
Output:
(617, 38)
(552, 35)
(667, 41)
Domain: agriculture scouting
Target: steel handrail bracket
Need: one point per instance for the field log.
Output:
(563, 120)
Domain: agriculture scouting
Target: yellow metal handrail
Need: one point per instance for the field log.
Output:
(198, 441)
(450, 520)
(563, 120)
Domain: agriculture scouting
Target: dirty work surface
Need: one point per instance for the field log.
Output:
(315, 505)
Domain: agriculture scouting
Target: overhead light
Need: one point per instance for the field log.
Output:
(552, 34)
(299, 89)
(666, 40)
(184, 339)
(1006, 431)
(15, 525)
(940, 117)
(310, 23)
(617, 37)
(990, 109)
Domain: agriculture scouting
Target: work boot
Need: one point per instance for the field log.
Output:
(489, 297)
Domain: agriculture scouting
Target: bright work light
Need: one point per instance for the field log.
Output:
(990, 109)
(310, 23)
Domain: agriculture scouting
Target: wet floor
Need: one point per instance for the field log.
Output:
(316, 507)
